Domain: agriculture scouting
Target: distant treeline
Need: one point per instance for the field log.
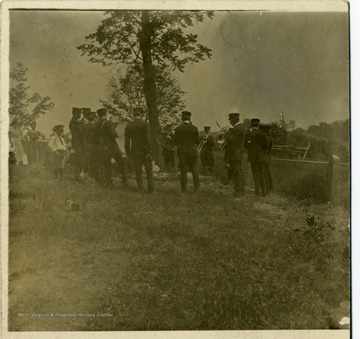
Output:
(337, 130)
(325, 139)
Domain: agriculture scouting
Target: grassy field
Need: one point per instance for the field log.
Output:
(171, 261)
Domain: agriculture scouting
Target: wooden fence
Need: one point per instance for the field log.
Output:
(290, 176)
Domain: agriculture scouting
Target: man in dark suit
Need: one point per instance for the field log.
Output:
(77, 142)
(109, 149)
(234, 139)
(91, 139)
(256, 144)
(186, 139)
(165, 139)
(266, 129)
(207, 151)
(138, 148)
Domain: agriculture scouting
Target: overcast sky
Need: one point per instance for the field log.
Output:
(263, 63)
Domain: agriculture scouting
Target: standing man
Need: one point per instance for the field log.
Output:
(256, 144)
(138, 148)
(77, 142)
(91, 139)
(207, 151)
(186, 139)
(234, 139)
(109, 149)
(266, 129)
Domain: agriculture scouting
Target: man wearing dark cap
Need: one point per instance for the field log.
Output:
(138, 148)
(109, 149)
(234, 139)
(207, 151)
(76, 126)
(256, 144)
(186, 139)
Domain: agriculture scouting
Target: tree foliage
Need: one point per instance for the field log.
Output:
(25, 107)
(125, 93)
(117, 39)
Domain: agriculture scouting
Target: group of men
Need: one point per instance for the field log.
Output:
(257, 141)
(94, 145)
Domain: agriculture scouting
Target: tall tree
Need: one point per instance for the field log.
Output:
(26, 107)
(156, 38)
(125, 93)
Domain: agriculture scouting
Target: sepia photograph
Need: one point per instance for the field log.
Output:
(177, 167)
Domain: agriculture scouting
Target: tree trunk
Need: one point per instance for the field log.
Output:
(149, 84)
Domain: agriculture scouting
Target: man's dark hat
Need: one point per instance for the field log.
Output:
(76, 110)
(207, 127)
(101, 112)
(234, 115)
(186, 114)
(255, 121)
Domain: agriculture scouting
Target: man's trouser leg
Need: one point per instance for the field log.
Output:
(172, 160)
(194, 169)
(80, 162)
(116, 154)
(94, 162)
(238, 178)
(211, 164)
(183, 166)
(204, 166)
(149, 174)
(261, 172)
(106, 161)
(167, 160)
(137, 165)
(255, 173)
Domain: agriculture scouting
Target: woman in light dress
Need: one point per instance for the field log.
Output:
(16, 146)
